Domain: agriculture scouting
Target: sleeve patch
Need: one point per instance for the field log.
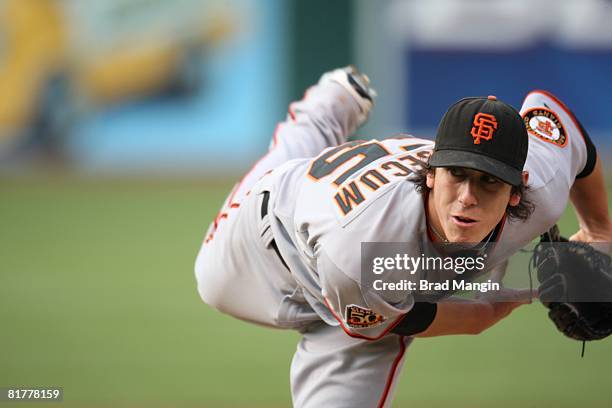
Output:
(361, 317)
(545, 125)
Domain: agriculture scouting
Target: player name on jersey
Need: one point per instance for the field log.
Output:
(353, 188)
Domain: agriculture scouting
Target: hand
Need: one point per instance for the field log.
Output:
(600, 240)
(503, 309)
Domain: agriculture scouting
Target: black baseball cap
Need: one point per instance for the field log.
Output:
(483, 134)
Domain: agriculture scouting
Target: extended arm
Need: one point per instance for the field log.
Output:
(589, 197)
(461, 316)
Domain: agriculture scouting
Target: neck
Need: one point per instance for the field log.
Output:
(433, 220)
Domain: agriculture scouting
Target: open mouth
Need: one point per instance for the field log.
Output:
(462, 220)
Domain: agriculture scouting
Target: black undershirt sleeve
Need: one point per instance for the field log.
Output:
(591, 151)
(417, 320)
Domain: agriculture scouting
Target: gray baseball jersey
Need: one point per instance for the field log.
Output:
(284, 251)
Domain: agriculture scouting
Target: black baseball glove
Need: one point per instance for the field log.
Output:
(576, 286)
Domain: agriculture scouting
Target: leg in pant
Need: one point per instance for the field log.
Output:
(235, 270)
(332, 369)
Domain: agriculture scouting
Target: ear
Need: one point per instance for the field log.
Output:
(515, 199)
(430, 178)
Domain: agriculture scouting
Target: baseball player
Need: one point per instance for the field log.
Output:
(284, 250)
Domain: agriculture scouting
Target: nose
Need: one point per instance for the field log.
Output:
(467, 194)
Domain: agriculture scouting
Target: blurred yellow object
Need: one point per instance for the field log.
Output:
(128, 73)
(32, 44)
(57, 53)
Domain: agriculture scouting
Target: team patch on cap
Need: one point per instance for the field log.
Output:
(360, 317)
(545, 124)
(485, 125)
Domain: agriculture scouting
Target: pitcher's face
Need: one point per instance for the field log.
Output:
(465, 205)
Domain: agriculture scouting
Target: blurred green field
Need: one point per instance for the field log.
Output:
(97, 295)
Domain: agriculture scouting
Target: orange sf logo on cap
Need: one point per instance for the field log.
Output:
(484, 127)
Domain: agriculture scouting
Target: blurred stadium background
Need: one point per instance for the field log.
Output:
(123, 124)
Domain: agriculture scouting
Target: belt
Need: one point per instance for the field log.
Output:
(264, 212)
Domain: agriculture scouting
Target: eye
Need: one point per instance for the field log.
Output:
(490, 179)
(456, 172)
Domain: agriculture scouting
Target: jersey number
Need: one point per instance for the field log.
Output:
(327, 163)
